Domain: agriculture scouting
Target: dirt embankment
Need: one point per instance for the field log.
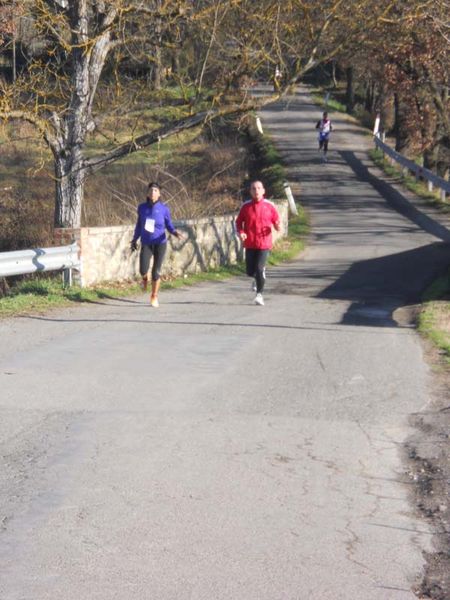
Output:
(428, 457)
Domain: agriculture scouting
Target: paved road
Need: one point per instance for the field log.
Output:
(214, 450)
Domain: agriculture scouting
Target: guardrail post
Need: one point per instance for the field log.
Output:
(290, 198)
(376, 125)
(67, 278)
(259, 126)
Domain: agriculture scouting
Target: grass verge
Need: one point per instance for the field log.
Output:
(38, 295)
(289, 247)
(266, 163)
(331, 105)
(434, 318)
(419, 188)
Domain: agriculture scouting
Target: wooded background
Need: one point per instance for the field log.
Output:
(86, 85)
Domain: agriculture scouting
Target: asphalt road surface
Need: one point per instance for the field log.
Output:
(215, 450)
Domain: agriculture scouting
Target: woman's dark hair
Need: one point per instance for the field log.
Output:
(154, 184)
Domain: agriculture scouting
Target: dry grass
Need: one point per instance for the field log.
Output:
(26, 207)
(200, 179)
(443, 314)
(434, 323)
(202, 174)
(441, 310)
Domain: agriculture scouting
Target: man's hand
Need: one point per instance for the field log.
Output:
(180, 235)
(277, 225)
(243, 236)
(133, 246)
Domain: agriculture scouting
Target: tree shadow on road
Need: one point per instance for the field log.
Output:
(396, 199)
(379, 286)
(375, 287)
(332, 328)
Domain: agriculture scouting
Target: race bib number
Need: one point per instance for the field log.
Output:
(149, 225)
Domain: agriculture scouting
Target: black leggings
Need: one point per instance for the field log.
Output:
(323, 143)
(158, 252)
(255, 261)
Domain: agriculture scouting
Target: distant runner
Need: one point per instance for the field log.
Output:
(254, 225)
(325, 128)
(277, 79)
(153, 219)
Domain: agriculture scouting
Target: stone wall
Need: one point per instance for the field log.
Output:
(211, 242)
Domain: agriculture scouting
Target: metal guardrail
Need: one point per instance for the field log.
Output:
(58, 258)
(419, 172)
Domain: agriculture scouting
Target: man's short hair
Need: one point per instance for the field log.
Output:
(154, 184)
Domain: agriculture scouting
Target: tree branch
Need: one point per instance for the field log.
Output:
(40, 124)
(96, 163)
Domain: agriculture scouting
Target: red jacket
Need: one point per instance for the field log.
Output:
(256, 220)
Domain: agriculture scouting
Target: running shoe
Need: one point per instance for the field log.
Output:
(259, 299)
(154, 302)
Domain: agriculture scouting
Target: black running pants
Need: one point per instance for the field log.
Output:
(255, 261)
(158, 252)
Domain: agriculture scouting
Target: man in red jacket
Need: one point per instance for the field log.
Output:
(254, 225)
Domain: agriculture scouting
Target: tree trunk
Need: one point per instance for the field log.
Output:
(333, 74)
(443, 153)
(175, 62)
(430, 158)
(350, 95)
(70, 177)
(70, 130)
(368, 96)
(157, 69)
(443, 170)
(157, 55)
(428, 133)
(402, 117)
(371, 96)
(387, 108)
